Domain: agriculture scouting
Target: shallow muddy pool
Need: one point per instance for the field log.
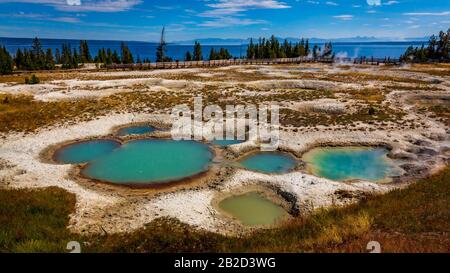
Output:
(252, 209)
(149, 161)
(269, 162)
(344, 163)
(85, 151)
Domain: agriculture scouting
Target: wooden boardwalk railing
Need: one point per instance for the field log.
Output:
(214, 63)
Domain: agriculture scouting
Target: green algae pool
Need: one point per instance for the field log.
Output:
(269, 162)
(345, 163)
(252, 209)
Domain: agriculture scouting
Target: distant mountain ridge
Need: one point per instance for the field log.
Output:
(216, 41)
(357, 39)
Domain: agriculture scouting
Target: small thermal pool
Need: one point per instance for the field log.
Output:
(252, 209)
(136, 130)
(344, 163)
(148, 161)
(269, 162)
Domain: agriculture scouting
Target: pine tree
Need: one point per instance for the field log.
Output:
(66, 57)
(49, 60)
(37, 55)
(286, 51)
(251, 50)
(223, 54)
(307, 49)
(407, 55)
(57, 56)
(327, 50)
(188, 56)
(35, 58)
(75, 59)
(161, 49)
(444, 45)
(315, 51)
(127, 57)
(19, 59)
(108, 57)
(115, 57)
(421, 55)
(85, 55)
(212, 54)
(104, 55)
(432, 46)
(98, 57)
(197, 52)
(437, 50)
(29, 60)
(6, 62)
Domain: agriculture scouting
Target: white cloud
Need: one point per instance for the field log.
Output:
(166, 7)
(250, 4)
(221, 12)
(83, 6)
(74, 2)
(64, 19)
(389, 3)
(374, 2)
(329, 3)
(230, 21)
(344, 17)
(312, 2)
(230, 12)
(42, 17)
(224, 8)
(444, 13)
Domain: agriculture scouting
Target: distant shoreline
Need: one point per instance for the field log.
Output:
(177, 51)
(224, 41)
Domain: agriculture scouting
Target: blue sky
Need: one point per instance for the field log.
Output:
(189, 19)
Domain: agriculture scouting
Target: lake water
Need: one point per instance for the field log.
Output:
(177, 52)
